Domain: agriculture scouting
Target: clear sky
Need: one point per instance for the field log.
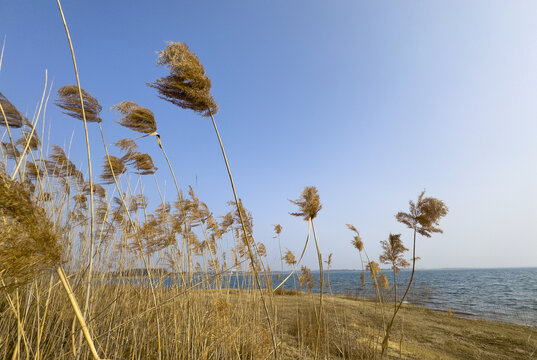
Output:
(371, 102)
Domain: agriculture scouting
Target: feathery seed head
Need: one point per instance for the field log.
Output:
(126, 145)
(306, 279)
(135, 117)
(393, 252)
(374, 268)
(309, 203)
(289, 258)
(59, 165)
(141, 162)
(187, 86)
(358, 243)
(28, 242)
(424, 215)
(329, 261)
(97, 189)
(33, 170)
(357, 240)
(385, 282)
(112, 166)
(33, 142)
(69, 101)
(362, 278)
(11, 153)
(13, 117)
(261, 250)
(227, 221)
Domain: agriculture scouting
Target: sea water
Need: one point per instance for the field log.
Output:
(506, 294)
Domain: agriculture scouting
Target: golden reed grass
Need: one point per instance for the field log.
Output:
(158, 281)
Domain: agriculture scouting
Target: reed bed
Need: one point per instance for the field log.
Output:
(92, 268)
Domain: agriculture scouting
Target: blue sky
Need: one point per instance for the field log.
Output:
(371, 102)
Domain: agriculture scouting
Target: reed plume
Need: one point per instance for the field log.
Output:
(378, 276)
(143, 163)
(11, 151)
(10, 115)
(112, 166)
(385, 282)
(69, 101)
(59, 165)
(11, 118)
(289, 258)
(34, 170)
(28, 240)
(226, 223)
(305, 279)
(97, 190)
(278, 230)
(261, 249)
(126, 145)
(393, 251)
(187, 86)
(357, 242)
(136, 118)
(34, 142)
(309, 203)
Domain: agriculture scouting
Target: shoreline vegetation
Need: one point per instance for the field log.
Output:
(230, 323)
(64, 235)
(161, 275)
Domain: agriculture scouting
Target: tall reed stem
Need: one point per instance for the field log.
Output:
(92, 210)
(250, 253)
(321, 281)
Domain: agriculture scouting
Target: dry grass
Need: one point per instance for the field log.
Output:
(220, 324)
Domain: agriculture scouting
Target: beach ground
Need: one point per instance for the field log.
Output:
(418, 333)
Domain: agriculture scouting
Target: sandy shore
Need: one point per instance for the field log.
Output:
(419, 333)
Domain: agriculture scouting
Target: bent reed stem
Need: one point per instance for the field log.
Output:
(78, 313)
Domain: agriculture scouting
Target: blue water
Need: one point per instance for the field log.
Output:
(508, 295)
(500, 294)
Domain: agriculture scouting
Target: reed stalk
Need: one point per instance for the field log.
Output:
(92, 210)
(246, 235)
(321, 283)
